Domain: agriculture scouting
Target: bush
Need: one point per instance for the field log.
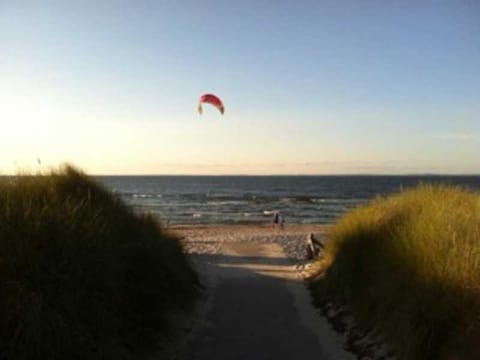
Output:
(82, 276)
(409, 265)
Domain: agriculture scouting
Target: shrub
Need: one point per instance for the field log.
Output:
(409, 265)
(82, 276)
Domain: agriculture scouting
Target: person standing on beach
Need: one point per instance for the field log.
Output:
(276, 219)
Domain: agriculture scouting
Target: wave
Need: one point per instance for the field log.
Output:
(324, 200)
(298, 199)
(225, 202)
(142, 196)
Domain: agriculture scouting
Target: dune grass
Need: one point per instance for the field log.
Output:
(409, 265)
(82, 276)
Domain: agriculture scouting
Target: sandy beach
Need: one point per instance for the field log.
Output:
(209, 239)
(255, 303)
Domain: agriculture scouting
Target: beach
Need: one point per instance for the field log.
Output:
(209, 239)
(255, 304)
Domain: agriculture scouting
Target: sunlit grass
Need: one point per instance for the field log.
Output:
(82, 276)
(409, 264)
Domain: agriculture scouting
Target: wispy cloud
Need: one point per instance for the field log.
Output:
(306, 167)
(457, 136)
(355, 165)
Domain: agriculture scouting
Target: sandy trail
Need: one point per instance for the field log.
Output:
(258, 306)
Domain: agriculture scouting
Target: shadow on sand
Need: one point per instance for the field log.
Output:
(258, 308)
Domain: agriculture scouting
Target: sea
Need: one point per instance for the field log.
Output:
(254, 199)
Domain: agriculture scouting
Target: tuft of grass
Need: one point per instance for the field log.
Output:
(409, 265)
(81, 275)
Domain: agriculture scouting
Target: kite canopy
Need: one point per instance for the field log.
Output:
(212, 100)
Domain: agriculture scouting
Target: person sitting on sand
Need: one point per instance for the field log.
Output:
(314, 246)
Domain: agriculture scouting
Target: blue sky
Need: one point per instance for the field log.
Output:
(310, 87)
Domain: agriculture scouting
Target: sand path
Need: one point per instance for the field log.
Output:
(258, 308)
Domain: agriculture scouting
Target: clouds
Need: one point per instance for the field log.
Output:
(282, 168)
(457, 136)
(360, 165)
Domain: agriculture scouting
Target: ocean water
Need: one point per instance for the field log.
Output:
(253, 199)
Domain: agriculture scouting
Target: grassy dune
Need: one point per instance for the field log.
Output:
(409, 265)
(81, 276)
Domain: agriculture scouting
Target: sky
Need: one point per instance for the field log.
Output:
(309, 87)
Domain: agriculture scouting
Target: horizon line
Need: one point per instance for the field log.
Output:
(293, 175)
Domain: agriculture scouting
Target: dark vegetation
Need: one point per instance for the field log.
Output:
(409, 266)
(81, 275)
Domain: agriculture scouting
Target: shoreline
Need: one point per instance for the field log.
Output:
(258, 226)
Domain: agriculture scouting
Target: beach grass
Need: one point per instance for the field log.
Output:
(81, 275)
(409, 266)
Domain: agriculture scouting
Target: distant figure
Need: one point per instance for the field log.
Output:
(314, 246)
(282, 221)
(275, 219)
